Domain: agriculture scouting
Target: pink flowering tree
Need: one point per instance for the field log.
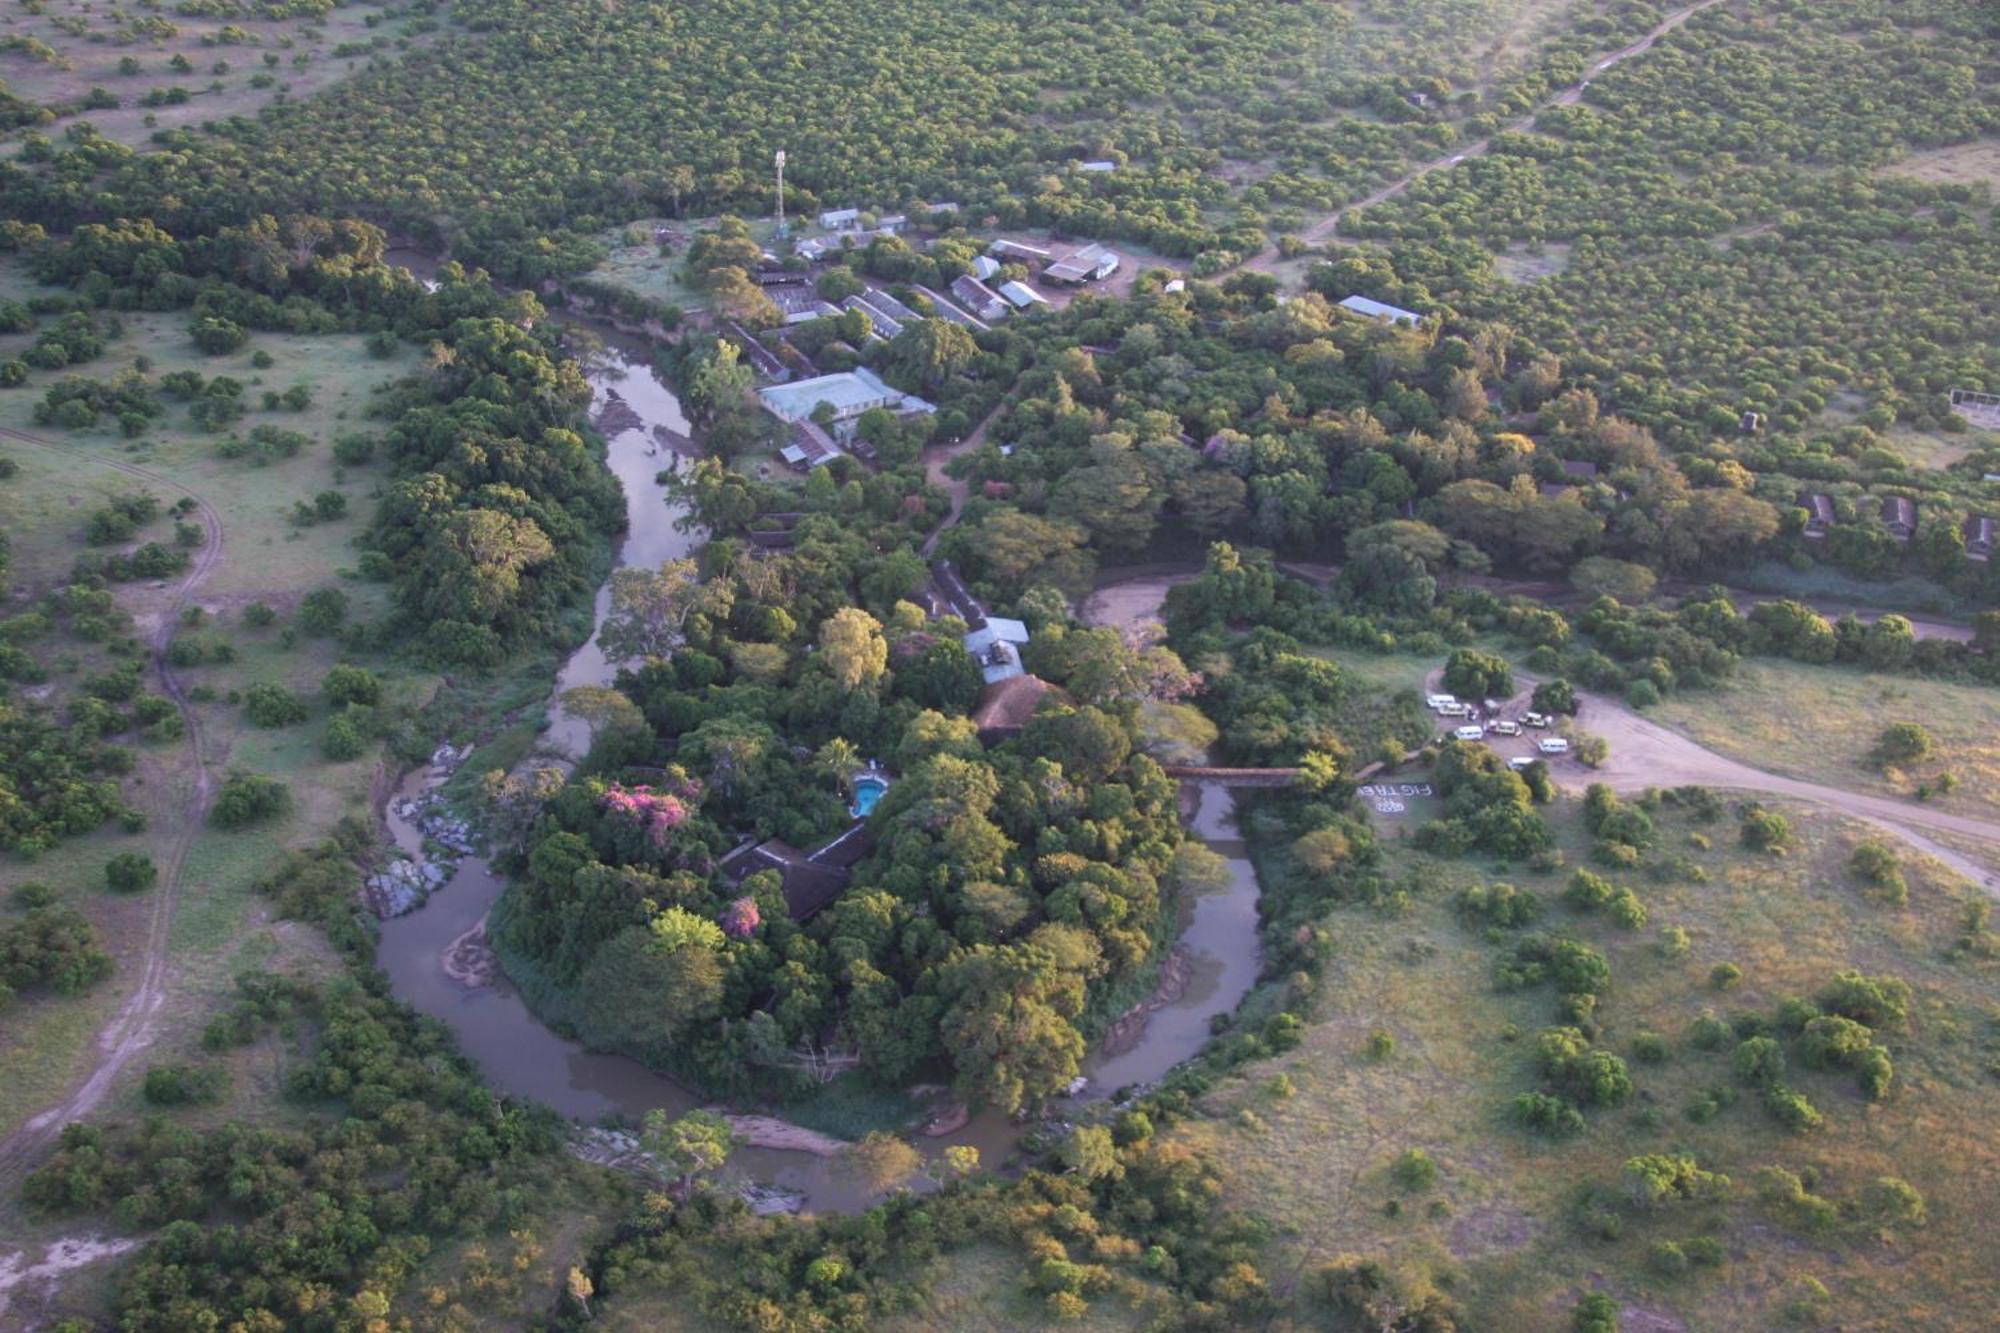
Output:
(740, 919)
(658, 811)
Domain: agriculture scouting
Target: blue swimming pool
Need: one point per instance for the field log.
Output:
(867, 791)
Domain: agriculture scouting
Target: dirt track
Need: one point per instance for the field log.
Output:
(130, 1030)
(1328, 226)
(934, 465)
(1645, 754)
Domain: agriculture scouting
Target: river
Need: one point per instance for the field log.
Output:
(521, 1057)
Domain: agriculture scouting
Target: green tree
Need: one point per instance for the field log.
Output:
(695, 1145)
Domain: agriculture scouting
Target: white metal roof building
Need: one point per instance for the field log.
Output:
(1021, 296)
(996, 645)
(1381, 311)
(849, 393)
(834, 219)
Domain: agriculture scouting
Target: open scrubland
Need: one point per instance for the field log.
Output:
(1516, 1227)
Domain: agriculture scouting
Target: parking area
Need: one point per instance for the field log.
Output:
(1509, 726)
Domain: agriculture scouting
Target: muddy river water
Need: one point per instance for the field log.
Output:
(521, 1057)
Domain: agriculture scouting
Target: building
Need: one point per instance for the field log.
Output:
(1980, 532)
(1027, 254)
(811, 249)
(813, 880)
(1820, 516)
(947, 311)
(943, 206)
(1093, 263)
(1579, 469)
(809, 447)
(996, 645)
(895, 224)
(849, 394)
(1098, 166)
(984, 267)
(1175, 285)
(1006, 706)
(840, 219)
(888, 306)
(1021, 296)
(1380, 312)
(977, 297)
(1899, 516)
(884, 323)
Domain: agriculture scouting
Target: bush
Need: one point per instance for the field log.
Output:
(257, 615)
(1472, 674)
(131, 872)
(322, 611)
(351, 685)
(1724, 976)
(1595, 1313)
(269, 705)
(1642, 694)
(1766, 831)
(343, 740)
(1875, 865)
(1547, 1115)
(1555, 697)
(248, 798)
(1414, 1170)
(180, 1085)
(1903, 743)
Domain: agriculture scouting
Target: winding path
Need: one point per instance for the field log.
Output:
(935, 461)
(1328, 226)
(130, 1030)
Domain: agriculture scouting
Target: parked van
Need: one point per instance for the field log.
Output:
(1552, 745)
(1522, 761)
(1441, 701)
(1455, 710)
(1506, 728)
(1470, 733)
(1534, 720)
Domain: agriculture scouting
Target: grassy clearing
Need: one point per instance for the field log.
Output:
(221, 927)
(1498, 1224)
(1821, 723)
(1974, 163)
(293, 57)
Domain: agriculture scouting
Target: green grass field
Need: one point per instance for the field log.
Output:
(1498, 1226)
(220, 927)
(1821, 724)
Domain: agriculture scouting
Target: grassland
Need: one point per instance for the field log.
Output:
(229, 57)
(1821, 724)
(1498, 1228)
(220, 927)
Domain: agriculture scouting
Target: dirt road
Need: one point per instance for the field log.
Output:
(1646, 754)
(130, 1030)
(1327, 227)
(934, 465)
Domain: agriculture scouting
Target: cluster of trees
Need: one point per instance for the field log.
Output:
(1731, 176)
(46, 947)
(1007, 886)
(495, 523)
(329, 1216)
(1224, 122)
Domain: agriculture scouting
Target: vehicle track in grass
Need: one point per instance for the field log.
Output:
(1327, 227)
(130, 1030)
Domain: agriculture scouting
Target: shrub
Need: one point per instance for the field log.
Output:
(322, 611)
(1649, 1048)
(1643, 693)
(1555, 696)
(1547, 1115)
(1380, 1045)
(1903, 743)
(248, 798)
(345, 684)
(1876, 1001)
(1724, 976)
(179, 1085)
(1414, 1169)
(343, 740)
(218, 337)
(258, 615)
(1595, 1313)
(131, 872)
(1791, 1109)
(1890, 1199)
(1759, 1060)
(269, 705)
